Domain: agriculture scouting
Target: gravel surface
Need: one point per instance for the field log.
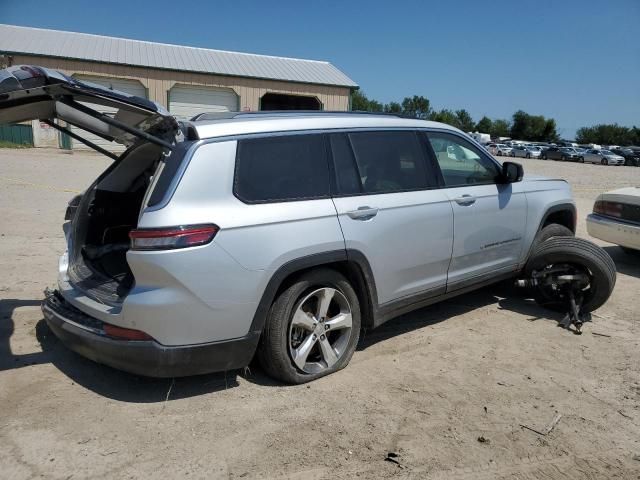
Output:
(447, 389)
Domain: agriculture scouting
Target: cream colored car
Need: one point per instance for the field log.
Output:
(616, 218)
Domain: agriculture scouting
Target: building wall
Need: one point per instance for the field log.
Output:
(159, 82)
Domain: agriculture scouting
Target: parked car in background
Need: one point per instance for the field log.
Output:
(525, 151)
(534, 151)
(631, 158)
(561, 153)
(616, 218)
(603, 157)
(502, 150)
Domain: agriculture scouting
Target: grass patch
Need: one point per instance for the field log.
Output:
(5, 144)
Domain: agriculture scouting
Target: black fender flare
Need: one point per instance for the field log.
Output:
(292, 267)
(561, 207)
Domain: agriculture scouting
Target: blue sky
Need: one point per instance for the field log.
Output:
(576, 61)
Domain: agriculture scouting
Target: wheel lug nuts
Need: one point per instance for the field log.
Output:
(326, 327)
(314, 336)
(322, 337)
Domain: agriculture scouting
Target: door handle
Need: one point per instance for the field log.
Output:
(363, 213)
(465, 200)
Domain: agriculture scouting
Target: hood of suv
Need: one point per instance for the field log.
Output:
(36, 93)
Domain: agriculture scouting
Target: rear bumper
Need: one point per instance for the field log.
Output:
(613, 231)
(84, 335)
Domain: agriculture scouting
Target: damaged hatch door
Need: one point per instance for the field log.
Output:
(37, 93)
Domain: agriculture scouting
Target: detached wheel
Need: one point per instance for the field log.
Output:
(563, 262)
(312, 328)
(551, 231)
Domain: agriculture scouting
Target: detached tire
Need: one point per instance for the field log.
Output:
(312, 328)
(581, 256)
(550, 231)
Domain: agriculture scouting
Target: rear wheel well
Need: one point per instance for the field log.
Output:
(353, 272)
(563, 217)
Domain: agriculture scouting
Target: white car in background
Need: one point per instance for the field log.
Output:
(500, 149)
(603, 157)
(616, 218)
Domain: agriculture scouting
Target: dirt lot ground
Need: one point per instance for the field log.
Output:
(429, 386)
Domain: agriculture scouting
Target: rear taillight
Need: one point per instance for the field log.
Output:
(172, 237)
(610, 209)
(120, 333)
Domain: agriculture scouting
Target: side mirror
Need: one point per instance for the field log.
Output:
(512, 172)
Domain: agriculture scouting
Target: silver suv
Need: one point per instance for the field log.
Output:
(281, 234)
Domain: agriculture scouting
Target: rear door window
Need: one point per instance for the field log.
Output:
(346, 171)
(389, 161)
(281, 168)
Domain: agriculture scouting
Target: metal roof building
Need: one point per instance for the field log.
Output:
(186, 80)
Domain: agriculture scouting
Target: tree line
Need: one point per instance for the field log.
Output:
(609, 134)
(521, 126)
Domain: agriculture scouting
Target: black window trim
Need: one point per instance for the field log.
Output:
(236, 166)
(421, 132)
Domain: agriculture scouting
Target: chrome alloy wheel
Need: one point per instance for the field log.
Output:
(320, 330)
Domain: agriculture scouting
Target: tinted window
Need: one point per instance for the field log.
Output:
(389, 161)
(461, 162)
(281, 168)
(347, 179)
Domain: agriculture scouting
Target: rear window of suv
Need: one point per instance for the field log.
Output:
(281, 168)
(379, 162)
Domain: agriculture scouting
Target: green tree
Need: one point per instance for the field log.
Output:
(520, 125)
(485, 125)
(500, 128)
(416, 106)
(361, 103)
(609, 134)
(532, 127)
(393, 107)
(550, 132)
(464, 120)
(445, 116)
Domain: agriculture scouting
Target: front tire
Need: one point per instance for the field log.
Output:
(312, 328)
(544, 157)
(581, 159)
(563, 158)
(604, 161)
(573, 256)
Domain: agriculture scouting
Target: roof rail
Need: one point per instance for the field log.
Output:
(285, 113)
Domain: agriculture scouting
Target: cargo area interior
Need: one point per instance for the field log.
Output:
(105, 215)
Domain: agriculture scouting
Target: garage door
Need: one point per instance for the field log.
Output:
(186, 101)
(131, 87)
